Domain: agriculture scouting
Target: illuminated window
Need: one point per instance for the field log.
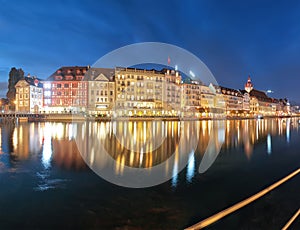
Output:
(47, 93)
(47, 85)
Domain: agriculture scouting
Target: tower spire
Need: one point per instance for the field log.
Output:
(248, 85)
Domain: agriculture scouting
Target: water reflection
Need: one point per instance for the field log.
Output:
(190, 167)
(144, 144)
(269, 144)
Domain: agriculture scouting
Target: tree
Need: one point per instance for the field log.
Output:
(14, 76)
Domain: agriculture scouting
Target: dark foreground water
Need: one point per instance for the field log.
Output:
(46, 184)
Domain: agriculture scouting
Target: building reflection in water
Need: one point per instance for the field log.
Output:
(54, 141)
(27, 140)
(127, 143)
(139, 144)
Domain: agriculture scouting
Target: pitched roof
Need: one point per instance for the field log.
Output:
(260, 95)
(33, 81)
(98, 73)
(68, 71)
(229, 91)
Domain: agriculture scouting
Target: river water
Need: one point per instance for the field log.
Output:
(80, 175)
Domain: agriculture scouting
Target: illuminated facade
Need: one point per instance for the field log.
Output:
(220, 104)
(65, 91)
(147, 92)
(29, 95)
(233, 100)
(208, 99)
(191, 98)
(101, 91)
(260, 103)
(171, 91)
(140, 92)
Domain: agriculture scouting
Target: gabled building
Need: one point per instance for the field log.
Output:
(260, 103)
(29, 95)
(101, 91)
(65, 91)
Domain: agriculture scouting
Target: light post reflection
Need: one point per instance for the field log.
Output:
(47, 147)
(269, 144)
(190, 167)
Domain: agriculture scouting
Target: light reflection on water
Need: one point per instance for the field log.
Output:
(150, 143)
(43, 176)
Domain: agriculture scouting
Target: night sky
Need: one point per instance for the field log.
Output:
(233, 38)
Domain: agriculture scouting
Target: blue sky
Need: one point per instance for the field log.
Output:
(233, 38)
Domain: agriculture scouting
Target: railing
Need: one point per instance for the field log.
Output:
(214, 218)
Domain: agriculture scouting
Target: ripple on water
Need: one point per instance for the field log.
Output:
(45, 183)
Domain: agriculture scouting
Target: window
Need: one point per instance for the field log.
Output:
(111, 93)
(47, 85)
(58, 85)
(47, 93)
(66, 85)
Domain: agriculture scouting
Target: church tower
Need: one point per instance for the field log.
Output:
(249, 85)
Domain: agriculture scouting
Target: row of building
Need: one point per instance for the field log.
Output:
(139, 92)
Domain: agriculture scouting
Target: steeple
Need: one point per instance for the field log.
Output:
(249, 85)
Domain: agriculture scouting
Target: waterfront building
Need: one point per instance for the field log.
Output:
(233, 101)
(260, 103)
(65, 91)
(139, 92)
(246, 102)
(29, 95)
(207, 99)
(220, 103)
(101, 91)
(191, 98)
(171, 91)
